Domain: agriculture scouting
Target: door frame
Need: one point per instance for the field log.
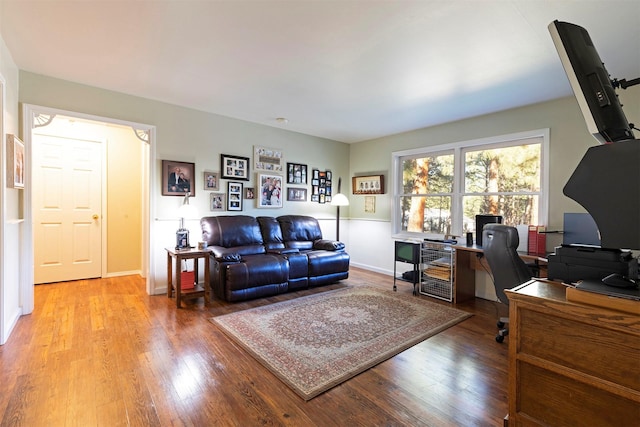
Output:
(148, 185)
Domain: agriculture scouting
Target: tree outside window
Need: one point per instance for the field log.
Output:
(504, 178)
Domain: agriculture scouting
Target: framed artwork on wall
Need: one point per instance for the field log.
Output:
(296, 194)
(370, 204)
(217, 201)
(234, 167)
(15, 162)
(211, 180)
(268, 159)
(296, 173)
(372, 184)
(270, 190)
(178, 178)
(321, 186)
(249, 193)
(234, 196)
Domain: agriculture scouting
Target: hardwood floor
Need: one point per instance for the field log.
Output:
(103, 353)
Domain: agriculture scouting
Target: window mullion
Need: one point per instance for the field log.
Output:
(458, 183)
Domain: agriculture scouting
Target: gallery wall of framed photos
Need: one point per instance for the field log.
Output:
(275, 181)
(321, 182)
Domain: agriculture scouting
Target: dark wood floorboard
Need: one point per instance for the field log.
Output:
(103, 353)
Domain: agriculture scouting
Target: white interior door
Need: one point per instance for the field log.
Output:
(67, 208)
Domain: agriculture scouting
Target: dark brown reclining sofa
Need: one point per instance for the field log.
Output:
(253, 257)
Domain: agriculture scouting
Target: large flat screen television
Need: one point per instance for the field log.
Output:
(592, 86)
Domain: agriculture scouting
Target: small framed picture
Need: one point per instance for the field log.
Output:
(296, 173)
(234, 196)
(211, 181)
(234, 167)
(268, 159)
(15, 162)
(270, 190)
(372, 184)
(217, 201)
(178, 178)
(182, 239)
(249, 193)
(370, 204)
(296, 194)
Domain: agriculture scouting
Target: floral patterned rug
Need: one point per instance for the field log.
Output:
(316, 342)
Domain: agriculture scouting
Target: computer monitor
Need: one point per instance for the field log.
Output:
(591, 84)
(481, 221)
(580, 229)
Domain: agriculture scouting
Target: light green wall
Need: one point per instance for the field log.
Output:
(189, 135)
(11, 225)
(569, 140)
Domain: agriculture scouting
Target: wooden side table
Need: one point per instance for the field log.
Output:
(199, 290)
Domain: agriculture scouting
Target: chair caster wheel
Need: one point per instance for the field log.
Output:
(499, 338)
(500, 325)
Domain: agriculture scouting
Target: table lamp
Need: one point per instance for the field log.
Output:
(184, 211)
(338, 200)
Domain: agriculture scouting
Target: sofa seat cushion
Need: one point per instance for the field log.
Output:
(327, 262)
(299, 231)
(231, 230)
(257, 270)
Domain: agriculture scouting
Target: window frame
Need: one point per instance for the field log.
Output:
(458, 149)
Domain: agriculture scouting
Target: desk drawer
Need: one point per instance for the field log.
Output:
(555, 400)
(576, 345)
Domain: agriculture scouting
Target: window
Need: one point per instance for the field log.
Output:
(440, 189)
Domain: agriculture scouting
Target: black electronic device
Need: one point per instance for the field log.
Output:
(408, 252)
(592, 86)
(572, 263)
(619, 281)
(581, 229)
(598, 287)
(481, 221)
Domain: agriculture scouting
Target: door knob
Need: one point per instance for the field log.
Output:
(96, 216)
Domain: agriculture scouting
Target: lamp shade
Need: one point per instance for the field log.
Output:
(187, 211)
(339, 200)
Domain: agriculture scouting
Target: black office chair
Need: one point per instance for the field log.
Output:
(500, 244)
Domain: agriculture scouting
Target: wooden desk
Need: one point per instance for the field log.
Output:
(468, 259)
(197, 291)
(570, 363)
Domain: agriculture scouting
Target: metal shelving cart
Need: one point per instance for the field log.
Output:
(437, 269)
(407, 252)
(432, 267)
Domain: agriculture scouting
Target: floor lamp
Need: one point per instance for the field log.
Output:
(338, 200)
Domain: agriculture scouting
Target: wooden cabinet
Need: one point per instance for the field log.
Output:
(572, 363)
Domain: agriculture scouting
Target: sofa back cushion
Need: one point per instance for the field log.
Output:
(230, 231)
(271, 233)
(299, 231)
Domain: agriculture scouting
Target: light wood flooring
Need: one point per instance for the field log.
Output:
(103, 353)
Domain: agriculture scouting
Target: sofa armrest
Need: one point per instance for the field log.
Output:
(225, 254)
(328, 245)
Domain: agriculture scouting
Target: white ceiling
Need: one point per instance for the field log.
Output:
(343, 70)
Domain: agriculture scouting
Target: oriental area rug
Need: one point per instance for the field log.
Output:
(316, 342)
